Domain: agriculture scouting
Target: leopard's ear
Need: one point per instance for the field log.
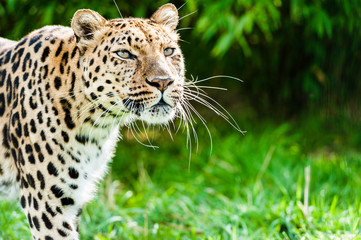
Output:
(86, 23)
(166, 15)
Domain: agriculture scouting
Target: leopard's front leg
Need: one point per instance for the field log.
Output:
(50, 217)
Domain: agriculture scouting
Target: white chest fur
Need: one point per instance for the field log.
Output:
(94, 157)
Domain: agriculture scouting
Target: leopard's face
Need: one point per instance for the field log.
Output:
(133, 69)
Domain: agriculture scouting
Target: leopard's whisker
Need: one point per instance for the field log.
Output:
(193, 93)
(116, 117)
(145, 131)
(195, 135)
(123, 116)
(172, 121)
(85, 108)
(185, 28)
(227, 116)
(120, 110)
(93, 103)
(121, 16)
(188, 121)
(218, 112)
(110, 108)
(196, 81)
(180, 116)
(189, 14)
(183, 41)
(106, 115)
(189, 144)
(146, 134)
(208, 87)
(95, 122)
(135, 137)
(198, 96)
(182, 5)
(204, 122)
(183, 116)
(105, 111)
(168, 129)
(150, 144)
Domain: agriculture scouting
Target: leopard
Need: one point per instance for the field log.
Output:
(65, 93)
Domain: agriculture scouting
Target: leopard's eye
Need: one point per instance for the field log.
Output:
(168, 52)
(125, 54)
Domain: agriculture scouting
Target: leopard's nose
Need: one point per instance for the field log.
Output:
(160, 83)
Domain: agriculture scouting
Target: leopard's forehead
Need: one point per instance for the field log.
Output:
(144, 30)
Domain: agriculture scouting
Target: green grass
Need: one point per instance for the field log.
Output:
(250, 187)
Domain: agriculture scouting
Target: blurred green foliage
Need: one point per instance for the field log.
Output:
(292, 55)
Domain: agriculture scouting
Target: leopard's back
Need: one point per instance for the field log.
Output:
(20, 68)
(6, 43)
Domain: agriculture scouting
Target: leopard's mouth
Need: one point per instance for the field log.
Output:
(137, 108)
(160, 112)
(133, 106)
(161, 104)
(159, 107)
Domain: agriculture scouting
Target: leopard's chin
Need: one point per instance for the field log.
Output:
(158, 114)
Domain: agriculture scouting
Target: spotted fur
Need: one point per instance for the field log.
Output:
(64, 94)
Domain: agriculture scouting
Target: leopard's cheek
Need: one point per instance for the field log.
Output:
(107, 78)
(177, 63)
(176, 94)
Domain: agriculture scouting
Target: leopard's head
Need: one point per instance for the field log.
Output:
(133, 68)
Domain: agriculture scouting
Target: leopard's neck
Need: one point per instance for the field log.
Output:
(91, 131)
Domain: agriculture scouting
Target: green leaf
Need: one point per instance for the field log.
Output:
(244, 45)
(326, 23)
(223, 44)
(11, 5)
(246, 23)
